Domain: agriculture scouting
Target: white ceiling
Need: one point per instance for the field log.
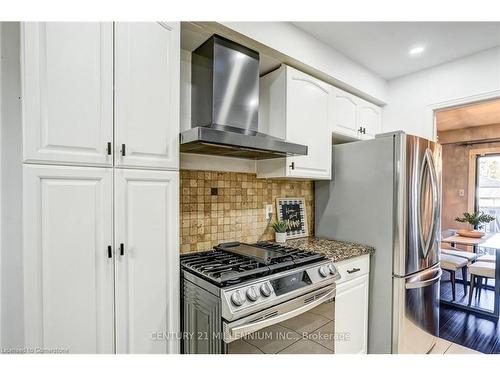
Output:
(382, 47)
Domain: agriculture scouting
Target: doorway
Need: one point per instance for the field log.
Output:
(470, 139)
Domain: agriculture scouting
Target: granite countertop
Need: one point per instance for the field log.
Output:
(335, 250)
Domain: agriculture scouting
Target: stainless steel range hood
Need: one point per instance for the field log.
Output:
(225, 105)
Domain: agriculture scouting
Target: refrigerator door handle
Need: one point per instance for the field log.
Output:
(428, 163)
(423, 283)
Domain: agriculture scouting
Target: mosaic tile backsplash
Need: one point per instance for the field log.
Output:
(226, 206)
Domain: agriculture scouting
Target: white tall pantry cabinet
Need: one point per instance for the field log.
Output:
(100, 106)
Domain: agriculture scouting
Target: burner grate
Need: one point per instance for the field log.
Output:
(225, 267)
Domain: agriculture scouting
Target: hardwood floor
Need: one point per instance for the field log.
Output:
(468, 329)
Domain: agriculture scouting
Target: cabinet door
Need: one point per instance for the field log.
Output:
(68, 276)
(308, 121)
(346, 120)
(147, 84)
(147, 269)
(351, 316)
(369, 119)
(67, 92)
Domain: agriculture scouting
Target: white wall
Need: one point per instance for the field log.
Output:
(286, 38)
(11, 293)
(411, 96)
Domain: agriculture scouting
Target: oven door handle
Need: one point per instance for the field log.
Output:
(244, 329)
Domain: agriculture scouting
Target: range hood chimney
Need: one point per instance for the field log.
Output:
(225, 105)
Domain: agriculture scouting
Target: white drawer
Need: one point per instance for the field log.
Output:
(351, 268)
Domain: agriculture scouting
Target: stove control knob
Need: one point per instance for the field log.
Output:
(332, 269)
(265, 290)
(323, 271)
(237, 299)
(252, 294)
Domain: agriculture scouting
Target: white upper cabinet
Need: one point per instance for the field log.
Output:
(297, 107)
(355, 118)
(147, 271)
(345, 114)
(68, 271)
(147, 91)
(67, 92)
(370, 119)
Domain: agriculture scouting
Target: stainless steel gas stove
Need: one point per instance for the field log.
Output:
(258, 298)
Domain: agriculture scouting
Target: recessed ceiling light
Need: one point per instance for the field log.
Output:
(414, 51)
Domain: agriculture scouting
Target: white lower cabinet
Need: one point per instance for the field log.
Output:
(68, 276)
(147, 275)
(351, 307)
(83, 293)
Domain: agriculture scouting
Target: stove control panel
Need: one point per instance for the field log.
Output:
(275, 286)
(250, 294)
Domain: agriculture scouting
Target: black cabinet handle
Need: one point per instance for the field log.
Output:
(109, 148)
(360, 130)
(364, 130)
(123, 149)
(353, 270)
(292, 166)
(122, 249)
(110, 252)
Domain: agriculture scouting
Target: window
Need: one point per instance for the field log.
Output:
(488, 188)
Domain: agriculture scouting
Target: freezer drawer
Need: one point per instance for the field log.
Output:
(416, 311)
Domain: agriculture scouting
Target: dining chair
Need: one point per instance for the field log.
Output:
(447, 249)
(478, 271)
(452, 264)
(471, 257)
(490, 258)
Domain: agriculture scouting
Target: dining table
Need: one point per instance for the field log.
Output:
(489, 241)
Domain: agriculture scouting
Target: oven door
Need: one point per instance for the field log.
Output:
(303, 325)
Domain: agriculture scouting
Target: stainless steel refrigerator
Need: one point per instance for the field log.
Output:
(386, 193)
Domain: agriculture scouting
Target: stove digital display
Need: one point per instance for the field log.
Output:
(291, 282)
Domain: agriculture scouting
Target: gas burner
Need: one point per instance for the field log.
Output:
(232, 263)
(230, 277)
